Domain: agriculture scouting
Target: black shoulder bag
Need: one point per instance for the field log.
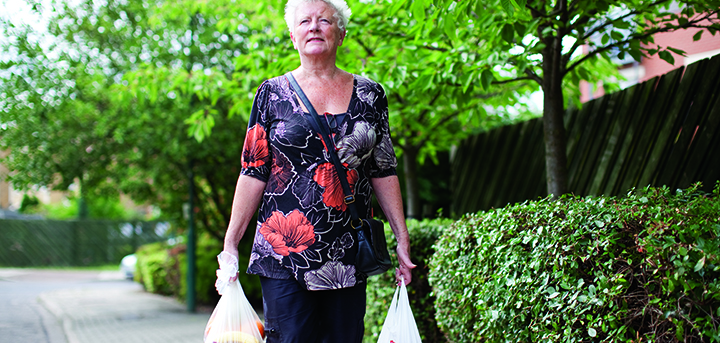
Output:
(372, 257)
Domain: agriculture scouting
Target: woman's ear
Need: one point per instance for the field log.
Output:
(342, 37)
(292, 39)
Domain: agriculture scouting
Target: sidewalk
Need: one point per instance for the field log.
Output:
(123, 315)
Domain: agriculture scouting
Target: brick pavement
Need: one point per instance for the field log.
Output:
(123, 315)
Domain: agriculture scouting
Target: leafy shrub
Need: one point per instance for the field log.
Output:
(593, 269)
(162, 269)
(151, 269)
(206, 264)
(98, 208)
(28, 204)
(206, 251)
(380, 290)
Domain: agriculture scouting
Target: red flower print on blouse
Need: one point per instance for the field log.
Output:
(286, 234)
(326, 176)
(255, 152)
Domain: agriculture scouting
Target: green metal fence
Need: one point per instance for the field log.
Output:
(34, 243)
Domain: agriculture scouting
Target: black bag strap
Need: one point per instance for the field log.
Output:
(323, 130)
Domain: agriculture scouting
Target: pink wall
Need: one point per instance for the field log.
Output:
(682, 40)
(653, 66)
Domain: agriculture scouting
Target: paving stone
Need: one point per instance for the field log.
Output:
(123, 316)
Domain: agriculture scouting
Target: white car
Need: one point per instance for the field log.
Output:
(127, 266)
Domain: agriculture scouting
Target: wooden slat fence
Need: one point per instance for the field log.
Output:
(663, 132)
(33, 243)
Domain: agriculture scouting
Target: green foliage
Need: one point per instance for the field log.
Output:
(65, 210)
(152, 269)
(427, 87)
(104, 101)
(162, 269)
(99, 208)
(380, 290)
(435, 78)
(583, 269)
(28, 204)
(551, 44)
(206, 264)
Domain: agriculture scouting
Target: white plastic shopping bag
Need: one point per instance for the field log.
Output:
(233, 320)
(399, 326)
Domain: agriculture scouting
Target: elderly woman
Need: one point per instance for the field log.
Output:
(304, 247)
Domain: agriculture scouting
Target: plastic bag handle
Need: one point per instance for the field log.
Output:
(228, 269)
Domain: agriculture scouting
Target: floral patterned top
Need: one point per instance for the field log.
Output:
(303, 229)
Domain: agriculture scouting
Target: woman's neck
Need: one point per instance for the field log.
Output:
(322, 69)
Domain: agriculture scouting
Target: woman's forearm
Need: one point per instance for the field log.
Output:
(387, 192)
(248, 193)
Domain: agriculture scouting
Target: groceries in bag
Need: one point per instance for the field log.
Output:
(233, 320)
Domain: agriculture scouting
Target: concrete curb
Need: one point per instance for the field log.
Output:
(51, 306)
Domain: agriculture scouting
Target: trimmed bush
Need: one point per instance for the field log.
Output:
(151, 269)
(380, 290)
(206, 251)
(593, 269)
(162, 269)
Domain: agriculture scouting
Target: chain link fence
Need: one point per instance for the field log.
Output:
(41, 243)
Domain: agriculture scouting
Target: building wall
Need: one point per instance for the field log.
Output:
(4, 189)
(707, 46)
(653, 66)
(10, 198)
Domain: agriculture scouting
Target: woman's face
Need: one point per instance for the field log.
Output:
(316, 30)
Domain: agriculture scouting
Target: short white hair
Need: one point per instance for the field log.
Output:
(342, 11)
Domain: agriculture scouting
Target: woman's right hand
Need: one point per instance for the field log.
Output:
(233, 252)
(228, 271)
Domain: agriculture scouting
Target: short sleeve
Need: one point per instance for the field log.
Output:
(256, 158)
(384, 158)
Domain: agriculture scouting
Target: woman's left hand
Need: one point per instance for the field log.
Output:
(406, 266)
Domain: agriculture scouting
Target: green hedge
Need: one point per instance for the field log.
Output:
(151, 269)
(162, 269)
(594, 269)
(380, 290)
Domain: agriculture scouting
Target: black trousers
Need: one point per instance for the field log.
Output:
(296, 315)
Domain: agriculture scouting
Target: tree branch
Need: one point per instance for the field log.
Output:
(442, 122)
(501, 82)
(487, 95)
(601, 27)
(573, 5)
(434, 48)
(534, 11)
(586, 18)
(560, 8)
(367, 49)
(647, 34)
(223, 211)
(425, 111)
(437, 96)
(580, 41)
(399, 98)
(210, 201)
(534, 76)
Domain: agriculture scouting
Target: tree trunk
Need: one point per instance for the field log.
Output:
(553, 126)
(412, 196)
